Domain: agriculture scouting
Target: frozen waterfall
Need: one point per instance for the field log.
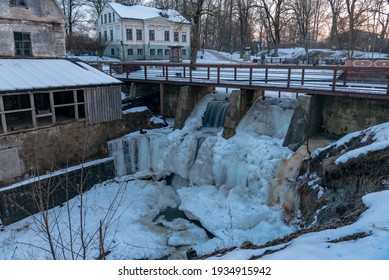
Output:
(226, 184)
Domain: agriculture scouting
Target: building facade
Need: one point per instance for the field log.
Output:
(31, 28)
(142, 33)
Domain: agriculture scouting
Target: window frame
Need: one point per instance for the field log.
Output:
(20, 44)
(167, 35)
(139, 35)
(129, 34)
(151, 35)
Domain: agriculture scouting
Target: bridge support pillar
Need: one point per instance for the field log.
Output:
(306, 121)
(161, 99)
(236, 110)
(187, 100)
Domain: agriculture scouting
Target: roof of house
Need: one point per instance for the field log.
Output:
(143, 12)
(42, 74)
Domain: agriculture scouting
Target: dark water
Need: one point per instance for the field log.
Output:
(173, 213)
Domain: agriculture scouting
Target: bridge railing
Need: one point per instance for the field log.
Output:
(289, 77)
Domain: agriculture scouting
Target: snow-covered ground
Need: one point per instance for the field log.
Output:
(228, 190)
(236, 208)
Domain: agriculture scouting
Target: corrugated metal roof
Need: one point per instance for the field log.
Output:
(40, 74)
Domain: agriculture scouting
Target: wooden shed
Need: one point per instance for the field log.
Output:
(41, 92)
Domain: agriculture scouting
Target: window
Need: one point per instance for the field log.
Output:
(152, 51)
(151, 35)
(183, 52)
(105, 18)
(130, 52)
(176, 37)
(160, 52)
(21, 3)
(111, 35)
(129, 34)
(140, 52)
(105, 35)
(184, 37)
(113, 17)
(22, 44)
(167, 36)
(109, 17)
(112, 51)
(101, 19)
(167, 52)
(139, 34)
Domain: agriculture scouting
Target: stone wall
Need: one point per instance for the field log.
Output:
(31, 153)
(42, 19)
(342, 115)
(35, 195)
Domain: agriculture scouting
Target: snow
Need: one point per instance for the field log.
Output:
(34, 74)
(143, 12)
(378, 133)
(232, 183)
(136, 110)
(318, 246)
(362, 151)
(56, 173)
(228, 186)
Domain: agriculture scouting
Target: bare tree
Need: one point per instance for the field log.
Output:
(66, 229)
(304, 12)
(381, 12)
(195, 10)
(356, 17)
(75, 13)
(244, 8)
(97, 6)
(336, 7)
(272, 12)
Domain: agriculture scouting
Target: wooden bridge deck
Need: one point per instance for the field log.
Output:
(359, 82)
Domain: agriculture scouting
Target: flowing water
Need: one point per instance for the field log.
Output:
(215, 114)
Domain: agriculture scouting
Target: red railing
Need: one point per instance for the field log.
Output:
(370, 82)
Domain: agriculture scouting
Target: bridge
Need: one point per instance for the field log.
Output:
(347, 81)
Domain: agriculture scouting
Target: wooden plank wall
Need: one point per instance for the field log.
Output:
(103, 104)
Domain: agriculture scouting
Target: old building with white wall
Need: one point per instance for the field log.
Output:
(142, 33)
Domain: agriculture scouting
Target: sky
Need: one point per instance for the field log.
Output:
(223, 193)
